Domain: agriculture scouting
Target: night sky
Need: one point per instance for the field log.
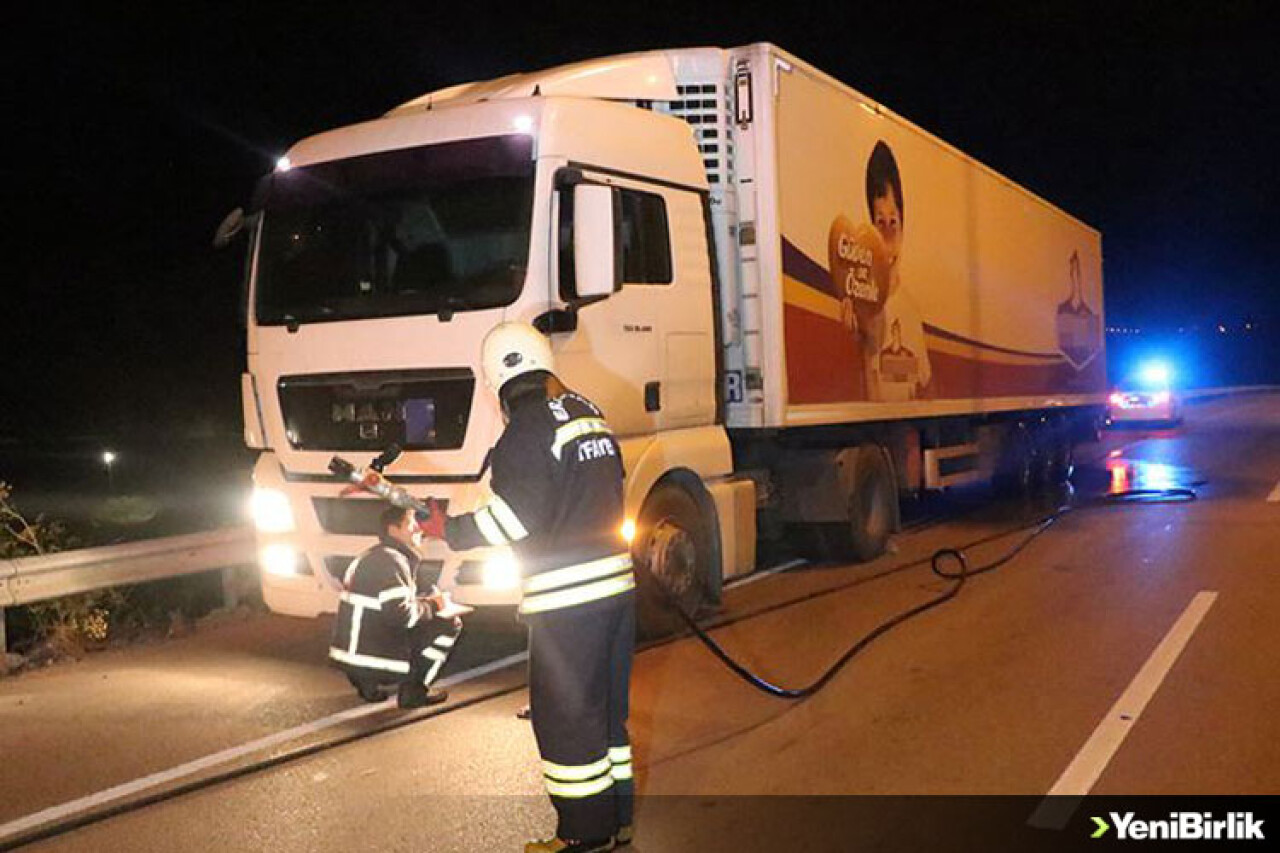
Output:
(139, 128)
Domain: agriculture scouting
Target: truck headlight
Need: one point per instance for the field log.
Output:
(271, 511)
(501, 572)
(279, 560)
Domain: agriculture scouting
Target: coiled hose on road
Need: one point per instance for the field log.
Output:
(936, 564)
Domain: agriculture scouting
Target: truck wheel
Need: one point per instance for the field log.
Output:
(873, 504)
(870, 498)
(675, 548)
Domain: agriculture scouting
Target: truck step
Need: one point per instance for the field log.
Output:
(951, 466)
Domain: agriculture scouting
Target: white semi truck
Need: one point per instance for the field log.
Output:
(793, 305)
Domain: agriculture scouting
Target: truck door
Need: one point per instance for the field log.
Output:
(651, 346)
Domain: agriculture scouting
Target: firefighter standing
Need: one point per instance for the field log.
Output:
(387, 633)
(557, 501)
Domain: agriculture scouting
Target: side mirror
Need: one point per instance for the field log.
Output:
(232, 225)
(597, 249)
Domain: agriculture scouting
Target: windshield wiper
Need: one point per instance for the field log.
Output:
(450, 305)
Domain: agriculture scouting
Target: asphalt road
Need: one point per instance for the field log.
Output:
(1129, 650)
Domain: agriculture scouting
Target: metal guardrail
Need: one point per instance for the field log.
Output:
(31, 579)
(28, 580)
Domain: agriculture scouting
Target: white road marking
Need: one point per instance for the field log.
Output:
(154, 780)
(1085, 769)
(1274, 497)
(126, 789)
(762, 574)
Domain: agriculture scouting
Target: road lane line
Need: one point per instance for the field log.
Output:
(67, 809)
(763, 573)
(1274, 497)
(1087, 766)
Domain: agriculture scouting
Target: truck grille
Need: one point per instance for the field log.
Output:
(368, 411)
(427, 574)
(351, 516)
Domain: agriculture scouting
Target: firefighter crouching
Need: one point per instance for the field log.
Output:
(387, 633)
(557, 501)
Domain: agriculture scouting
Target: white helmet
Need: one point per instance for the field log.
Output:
(511, 349)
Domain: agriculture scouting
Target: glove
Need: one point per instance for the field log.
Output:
(431, 522)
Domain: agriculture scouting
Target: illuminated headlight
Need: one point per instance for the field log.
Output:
(628, 530)
(279, 560)
(501, 572)
(271, 511)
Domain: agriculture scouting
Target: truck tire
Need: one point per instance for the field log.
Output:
(870, 498)
(674, 547)
(873, 504)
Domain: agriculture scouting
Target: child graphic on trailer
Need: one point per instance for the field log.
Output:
(897, 369)
(898, 363)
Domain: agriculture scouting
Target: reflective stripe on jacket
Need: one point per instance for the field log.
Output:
(556, 501)
(378, 605)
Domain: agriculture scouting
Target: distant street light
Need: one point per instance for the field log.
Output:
(107, 458)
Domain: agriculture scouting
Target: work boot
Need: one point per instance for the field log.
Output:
(369, 691)
(417, 696)
(623, 836)
(563, 845)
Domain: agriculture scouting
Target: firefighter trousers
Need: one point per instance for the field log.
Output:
(579, 691)
(429, 645)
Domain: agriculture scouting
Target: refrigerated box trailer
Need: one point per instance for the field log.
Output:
(794, 306)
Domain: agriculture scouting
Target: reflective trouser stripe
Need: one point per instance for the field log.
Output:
(578, 429)
(578, 790)
(577, 574)
(368, 661)
(507, 519)
(578, 594)
(437, 658)
(576, 781)
(575, 773)
(444, 641)
(620, 761)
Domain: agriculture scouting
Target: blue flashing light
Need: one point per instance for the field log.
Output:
(1155, 373)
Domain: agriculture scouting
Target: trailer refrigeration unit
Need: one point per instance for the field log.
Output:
(793, 305)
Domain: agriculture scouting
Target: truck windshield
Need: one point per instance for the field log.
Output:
(427, 230)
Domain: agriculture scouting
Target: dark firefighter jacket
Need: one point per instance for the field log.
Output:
(557, 501)
(378, 605)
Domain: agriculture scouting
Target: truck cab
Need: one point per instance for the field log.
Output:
(383, 252)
